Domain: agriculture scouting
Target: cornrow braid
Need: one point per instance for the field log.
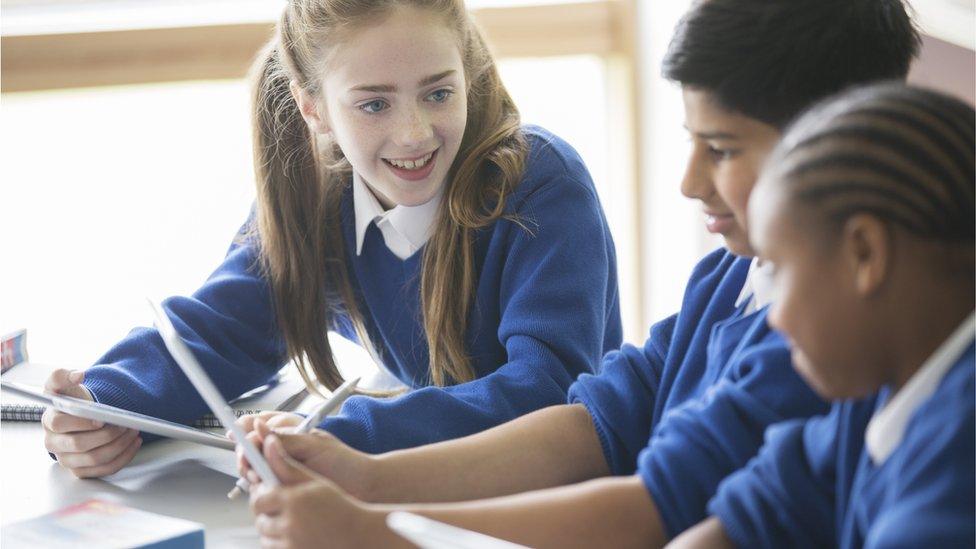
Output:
(901, 153)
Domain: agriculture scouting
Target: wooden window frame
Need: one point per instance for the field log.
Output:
(224, 51)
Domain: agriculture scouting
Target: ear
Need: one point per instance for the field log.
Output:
(317, 122)
(867, 247)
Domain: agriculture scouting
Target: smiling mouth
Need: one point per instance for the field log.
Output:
(410, 164)
(719, 223)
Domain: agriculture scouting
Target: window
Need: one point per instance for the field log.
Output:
(127, 170)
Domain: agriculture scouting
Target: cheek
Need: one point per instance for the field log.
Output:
(358, 139)
(736, 191)
(792, 314)
(810, 350)
(733, 184)
(452, 121)
(824, 336)
(807, 321)
(449, 125)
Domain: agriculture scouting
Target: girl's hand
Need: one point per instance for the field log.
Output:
(269, 420)
(275, 420)
(315, 454)
(310, 511)
(87, 448)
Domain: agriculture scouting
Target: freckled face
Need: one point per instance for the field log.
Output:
(396, 104)
(728, 151)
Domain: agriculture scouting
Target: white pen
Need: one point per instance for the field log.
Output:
(431, 534)
(338, 397)
(211, 395)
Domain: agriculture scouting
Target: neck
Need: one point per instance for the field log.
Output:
(384, 202)
(925, 327)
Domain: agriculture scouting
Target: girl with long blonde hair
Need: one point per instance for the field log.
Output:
(400, 203)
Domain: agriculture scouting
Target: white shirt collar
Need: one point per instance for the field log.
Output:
(887, 426)
(758, 286)
(405, 229)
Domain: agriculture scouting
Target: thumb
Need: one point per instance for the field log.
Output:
(261, 428)
(67, 382)
(288, 470)
(304, 447)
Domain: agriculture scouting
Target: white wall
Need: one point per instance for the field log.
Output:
(672, 225)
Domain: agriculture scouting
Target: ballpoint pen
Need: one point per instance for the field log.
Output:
(309, 423)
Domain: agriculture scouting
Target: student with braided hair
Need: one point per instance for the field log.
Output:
(867, 215)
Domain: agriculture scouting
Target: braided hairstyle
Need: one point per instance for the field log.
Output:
(902, 154)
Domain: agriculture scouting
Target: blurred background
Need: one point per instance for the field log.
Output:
(126, 161)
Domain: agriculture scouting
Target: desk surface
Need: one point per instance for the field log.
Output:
(173, 478)
(169, 477)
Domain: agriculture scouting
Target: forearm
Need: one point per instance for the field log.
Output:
(707, 534)
(550, 447)
(609, 512)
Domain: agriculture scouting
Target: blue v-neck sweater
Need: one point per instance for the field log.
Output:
(814, 484)
(546, 309)
(691, 406)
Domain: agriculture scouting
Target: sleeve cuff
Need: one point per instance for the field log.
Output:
(353, 426)
(601, 433)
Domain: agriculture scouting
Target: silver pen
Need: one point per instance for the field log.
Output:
(338, 397)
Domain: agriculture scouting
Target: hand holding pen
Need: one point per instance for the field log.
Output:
(338, 397)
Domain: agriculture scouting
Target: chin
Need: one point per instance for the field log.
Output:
(738, 244)
(825, 383)
(820, 385)
(416, 199)
(814, 377)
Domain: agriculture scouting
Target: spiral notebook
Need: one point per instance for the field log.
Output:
(285, 393)
(33, 412)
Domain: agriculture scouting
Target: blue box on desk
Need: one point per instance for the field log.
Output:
(101, 524)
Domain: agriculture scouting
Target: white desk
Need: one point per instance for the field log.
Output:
(168, 477)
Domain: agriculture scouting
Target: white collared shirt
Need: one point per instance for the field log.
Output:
(405, 229)
(887, 426)
(758, 287)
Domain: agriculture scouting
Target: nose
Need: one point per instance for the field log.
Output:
(697, 181)
(414, 129)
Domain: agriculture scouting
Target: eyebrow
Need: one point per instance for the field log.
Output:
(708, 136)
(389, 88)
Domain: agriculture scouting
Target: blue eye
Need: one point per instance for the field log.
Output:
(373, 106)
(440, 96)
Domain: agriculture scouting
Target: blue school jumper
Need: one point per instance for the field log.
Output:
(690, 407)
(546, 309)
(814, 484)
